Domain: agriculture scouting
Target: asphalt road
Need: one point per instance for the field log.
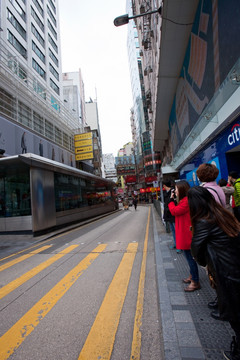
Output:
(89, 293)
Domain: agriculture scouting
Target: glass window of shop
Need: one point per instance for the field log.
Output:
(15, 199)
(72, 192)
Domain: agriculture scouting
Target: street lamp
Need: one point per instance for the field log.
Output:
(124, 19)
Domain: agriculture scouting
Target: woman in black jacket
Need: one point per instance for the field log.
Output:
(216, 244)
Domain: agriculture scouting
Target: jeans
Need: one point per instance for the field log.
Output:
(192, 265)
(172, 228)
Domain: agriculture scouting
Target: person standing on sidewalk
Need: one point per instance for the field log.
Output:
(216, 244)
(183, 231)
(235, 181)
(207, 174)
(169, 219)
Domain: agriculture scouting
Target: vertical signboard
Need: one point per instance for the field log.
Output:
(83, 146)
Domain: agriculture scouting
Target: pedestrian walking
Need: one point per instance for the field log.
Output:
(135, 202)
(183, 231)
(216, 244)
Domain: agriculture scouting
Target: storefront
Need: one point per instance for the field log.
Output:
(223, 151)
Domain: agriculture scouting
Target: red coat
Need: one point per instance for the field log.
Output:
(182, 223)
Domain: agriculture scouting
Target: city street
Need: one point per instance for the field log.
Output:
(89, 293)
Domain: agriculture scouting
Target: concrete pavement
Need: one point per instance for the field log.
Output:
(189, 332)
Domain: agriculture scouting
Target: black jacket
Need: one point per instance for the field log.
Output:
(167, 216)
(212, 247)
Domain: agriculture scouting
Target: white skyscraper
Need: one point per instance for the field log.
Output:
(31, 96)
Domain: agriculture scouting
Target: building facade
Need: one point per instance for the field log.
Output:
(109, 167)
(33, 115)
(194, 82)
(141, 73)
(74, 96)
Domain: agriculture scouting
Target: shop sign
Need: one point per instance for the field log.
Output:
(83, 136)
(87, 156)
(235, 135)
(84, 149)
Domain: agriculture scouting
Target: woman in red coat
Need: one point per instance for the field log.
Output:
(183, 232)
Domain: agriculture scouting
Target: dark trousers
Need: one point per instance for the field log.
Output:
(236, 328)
(236, 211)
(192, 265)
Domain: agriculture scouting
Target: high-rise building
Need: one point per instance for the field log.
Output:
(31, 96)
(147, 161)
(92, 117)
(73, 94)
(109, 167)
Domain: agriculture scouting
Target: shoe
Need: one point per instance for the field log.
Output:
(216, 315)
(178, 251)
(193, 286)
(187, 280)
(234, 353)
(172, 247)
(213, 304)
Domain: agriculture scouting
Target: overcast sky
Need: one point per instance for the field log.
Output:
(91, 42)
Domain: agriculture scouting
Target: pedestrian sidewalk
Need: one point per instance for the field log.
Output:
(189, 332)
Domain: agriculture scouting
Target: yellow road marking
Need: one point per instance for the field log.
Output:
(5, 290)
(100, 340)
(137, 336)
(23, 257)
(53, 238)
(14, 337)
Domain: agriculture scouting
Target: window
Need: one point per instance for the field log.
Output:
(37, 35)
(54, 86)
(38, 123)
(17, 45)
(39, 89)
(15, 194)
(24, 114)
(16, 24)
(55, 104)
(38, 6)
(7, 104)
(37, 19)
(38, 69)
(51, 28)
(52, 6)
(49, 130)
(17, 7)
(58, 135)
(65, 140)
(53, 71)
(51, 16)
(14, 65)
(53, 57)
(52, 42)
(38, 52)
